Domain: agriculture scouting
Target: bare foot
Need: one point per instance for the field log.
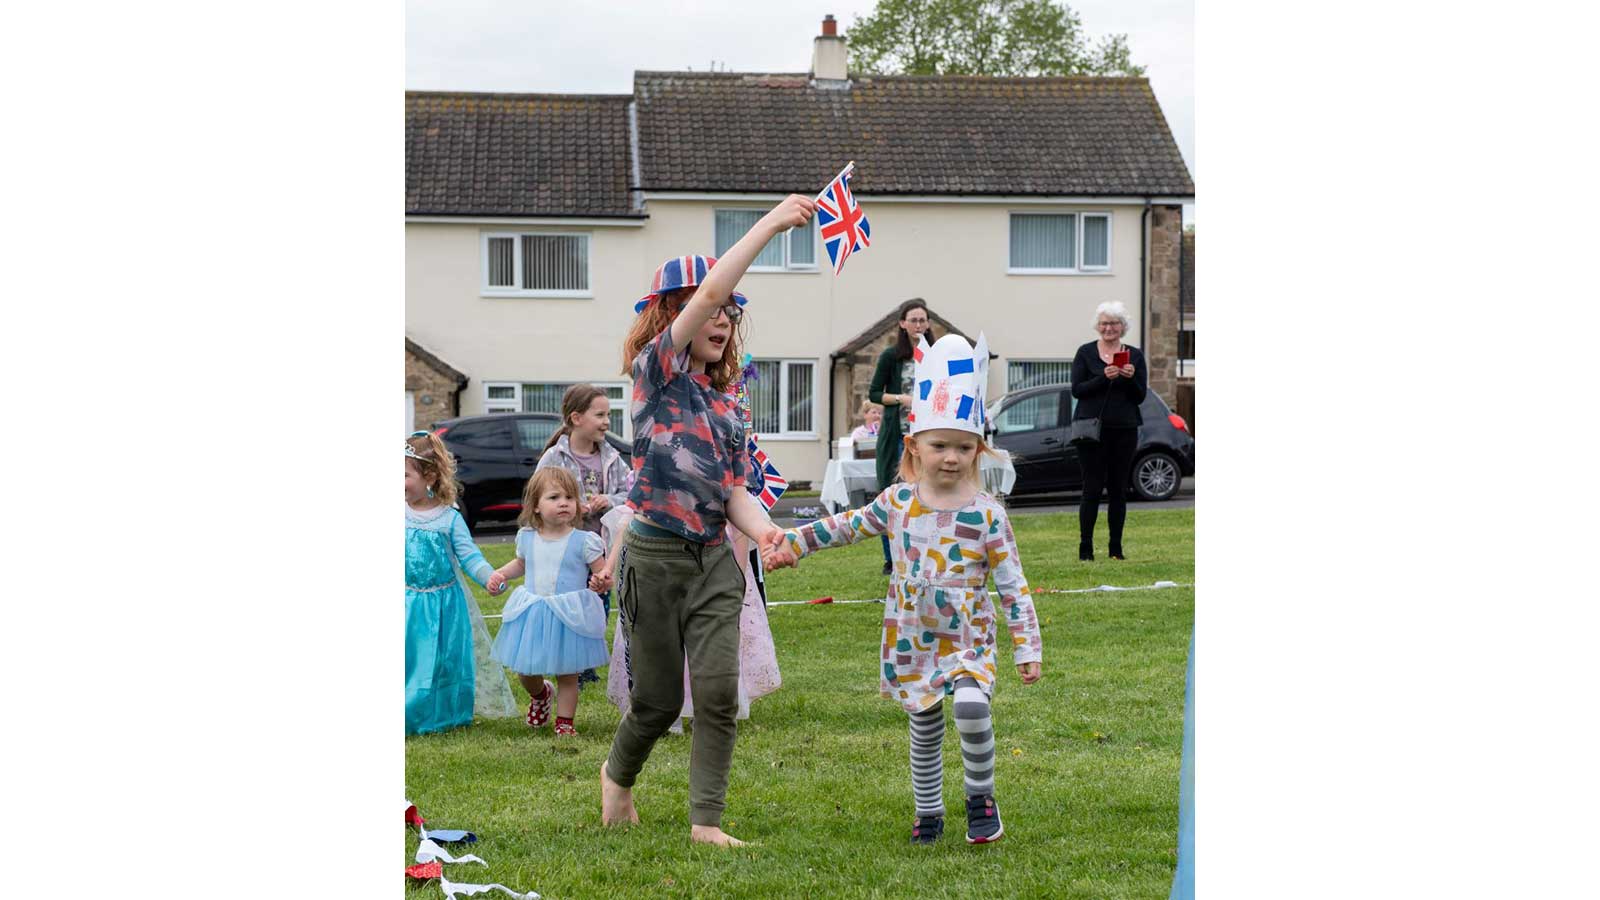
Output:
(711, 834)
(616, 801)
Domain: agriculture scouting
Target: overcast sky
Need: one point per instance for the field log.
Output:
(594, 46)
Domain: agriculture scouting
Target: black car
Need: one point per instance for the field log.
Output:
(496, 454)
(1032, 426)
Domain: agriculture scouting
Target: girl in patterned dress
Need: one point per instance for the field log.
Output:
(946, 538)
(553, 624)
(449, 675)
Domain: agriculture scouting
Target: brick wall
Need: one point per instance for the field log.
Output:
(1161, 339)
(433, 392)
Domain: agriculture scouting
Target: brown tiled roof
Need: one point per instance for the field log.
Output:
(517, 154)
(909, 134)
(890, 319)
(432, 359)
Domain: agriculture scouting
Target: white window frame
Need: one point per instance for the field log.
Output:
(1067, 362)
(1078, 233)
(783, 400)
(514, 405)
(487, 290)
(816, 244)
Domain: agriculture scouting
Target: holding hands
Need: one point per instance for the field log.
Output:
(601, 581)
(496, 584)
(775, 552)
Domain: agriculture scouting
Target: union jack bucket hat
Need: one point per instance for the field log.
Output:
(681, 272)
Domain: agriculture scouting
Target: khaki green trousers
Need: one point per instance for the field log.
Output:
(680, 600)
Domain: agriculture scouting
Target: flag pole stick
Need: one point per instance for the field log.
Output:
(847, 167)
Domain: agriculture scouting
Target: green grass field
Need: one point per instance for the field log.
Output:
(1086, 772)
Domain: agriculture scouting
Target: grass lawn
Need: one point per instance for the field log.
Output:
(1086, 771)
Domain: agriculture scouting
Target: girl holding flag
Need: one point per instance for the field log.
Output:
(681, 590)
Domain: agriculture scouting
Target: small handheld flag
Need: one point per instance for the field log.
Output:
(767, 484)
(840, 220)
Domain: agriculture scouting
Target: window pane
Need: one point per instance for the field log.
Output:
(763, 389)
(1043, 242)
(731, 224)
(500, 268)
(555, 262)
(483, 435)
(1186, 345)
(535, 433)
(543, 397)
(1096, 240)
(799, 405)
(502, 392)
(618, 407)
(1032, 414)
(1032, 373)
(803, 246)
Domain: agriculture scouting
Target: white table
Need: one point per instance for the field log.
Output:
(846, 476)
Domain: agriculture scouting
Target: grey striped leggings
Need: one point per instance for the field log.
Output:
(976, 728)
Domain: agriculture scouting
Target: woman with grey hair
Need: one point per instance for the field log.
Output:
(1109, 380)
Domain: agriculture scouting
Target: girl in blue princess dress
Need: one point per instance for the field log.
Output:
(553, 624)
(449, 675)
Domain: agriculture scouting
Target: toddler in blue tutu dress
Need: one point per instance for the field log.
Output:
(553, 624)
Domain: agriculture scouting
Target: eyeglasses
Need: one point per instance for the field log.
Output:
(731, 310)
(1108, 325)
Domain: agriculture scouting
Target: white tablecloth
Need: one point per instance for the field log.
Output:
(846, 476)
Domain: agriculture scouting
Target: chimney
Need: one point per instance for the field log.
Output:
(829, 60)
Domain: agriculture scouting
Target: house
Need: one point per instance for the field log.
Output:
(1013, 206)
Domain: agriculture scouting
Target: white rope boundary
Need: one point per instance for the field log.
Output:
(1102, 589)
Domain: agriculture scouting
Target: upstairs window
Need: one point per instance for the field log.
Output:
(1060, 243)
(795, 249)
(536, 265)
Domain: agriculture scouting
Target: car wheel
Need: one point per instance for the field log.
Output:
(1156, 476)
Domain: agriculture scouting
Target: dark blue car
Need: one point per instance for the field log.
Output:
(1032, 426)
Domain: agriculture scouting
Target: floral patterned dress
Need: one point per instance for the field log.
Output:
(939, 623)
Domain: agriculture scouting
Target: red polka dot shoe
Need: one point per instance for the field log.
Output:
(564, 727)
(539, 707)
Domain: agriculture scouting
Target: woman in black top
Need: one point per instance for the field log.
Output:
(891, 387)
(1112, 393)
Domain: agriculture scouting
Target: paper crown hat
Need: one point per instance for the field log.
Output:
(951, 380)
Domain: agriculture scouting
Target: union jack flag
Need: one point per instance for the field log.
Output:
(843, 225)
(766, 483)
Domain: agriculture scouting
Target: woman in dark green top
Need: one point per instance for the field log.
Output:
(891, 387)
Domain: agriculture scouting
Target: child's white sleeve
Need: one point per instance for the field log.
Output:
(1005, 565)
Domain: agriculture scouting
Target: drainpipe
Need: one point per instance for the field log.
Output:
(1144, 274)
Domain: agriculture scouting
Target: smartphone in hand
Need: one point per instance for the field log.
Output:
(1120, 358)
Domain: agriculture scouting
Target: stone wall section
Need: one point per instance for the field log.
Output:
(1161, 338)
(435, 394)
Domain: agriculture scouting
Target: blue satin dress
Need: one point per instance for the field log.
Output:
(444, 627)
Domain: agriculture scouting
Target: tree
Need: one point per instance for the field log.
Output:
(982, 37)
